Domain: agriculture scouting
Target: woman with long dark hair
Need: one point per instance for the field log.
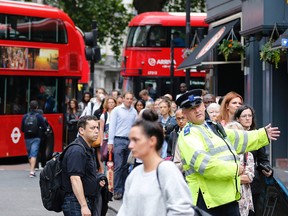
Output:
(72, 118)
(245, 115)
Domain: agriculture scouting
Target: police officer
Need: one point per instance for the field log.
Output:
(210, 158)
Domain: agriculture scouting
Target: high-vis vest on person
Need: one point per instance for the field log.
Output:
(211, 164)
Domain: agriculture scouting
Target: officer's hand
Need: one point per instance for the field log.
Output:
(272, 132)
(110, 147)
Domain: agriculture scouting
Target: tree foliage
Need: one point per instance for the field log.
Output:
(180, 6)
(111, 16)
(168, 5)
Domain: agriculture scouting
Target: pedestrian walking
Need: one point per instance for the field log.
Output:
(79, 172)
(95, 102)
(84, 102)
(144, 95)
(181, 122)
(210, 161)
(168, 122)
(33, 126)
(153, 188)
(121, 120)
(72, 117)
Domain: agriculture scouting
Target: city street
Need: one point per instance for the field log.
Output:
(20, 195)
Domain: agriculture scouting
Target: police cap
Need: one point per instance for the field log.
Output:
(190, 99)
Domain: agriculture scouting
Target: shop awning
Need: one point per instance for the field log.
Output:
(200, 54)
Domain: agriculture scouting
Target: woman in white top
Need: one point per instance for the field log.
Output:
(145, 193)
(109, 104)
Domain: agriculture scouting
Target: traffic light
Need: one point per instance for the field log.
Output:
(92, 51)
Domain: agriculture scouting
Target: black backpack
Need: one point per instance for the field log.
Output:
(31, 124)
(50, 181)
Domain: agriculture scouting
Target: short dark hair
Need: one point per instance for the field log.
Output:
(151, 127)
(115, 90)
(82, 122)
(33, 104)
(128, 92)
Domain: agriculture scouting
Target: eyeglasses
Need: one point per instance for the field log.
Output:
(180, 119)
(246, 116)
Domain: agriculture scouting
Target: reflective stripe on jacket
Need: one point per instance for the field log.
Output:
(211, 165)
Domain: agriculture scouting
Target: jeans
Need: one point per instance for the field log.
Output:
(71, 206)
(32, 146)
(121, 153)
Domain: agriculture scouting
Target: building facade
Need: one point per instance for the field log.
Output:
(261, 84)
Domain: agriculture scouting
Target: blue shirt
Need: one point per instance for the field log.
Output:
(121, 121)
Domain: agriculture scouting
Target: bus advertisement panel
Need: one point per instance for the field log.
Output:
(28, 58)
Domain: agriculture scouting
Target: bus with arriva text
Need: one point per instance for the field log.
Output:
(147, 56)
(42, 58)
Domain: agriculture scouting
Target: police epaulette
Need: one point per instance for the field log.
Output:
(187, 129)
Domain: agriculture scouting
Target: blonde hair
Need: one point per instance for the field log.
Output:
(234, 125)
(213, 105)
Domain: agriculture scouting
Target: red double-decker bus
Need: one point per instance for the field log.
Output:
(147, 52)
(42, 58)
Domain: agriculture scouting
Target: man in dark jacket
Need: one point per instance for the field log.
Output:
(80, 179)
(32, 129)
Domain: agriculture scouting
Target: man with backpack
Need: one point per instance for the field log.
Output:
(80, 180)
(31, 126)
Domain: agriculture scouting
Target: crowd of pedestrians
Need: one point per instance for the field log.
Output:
(214, 143)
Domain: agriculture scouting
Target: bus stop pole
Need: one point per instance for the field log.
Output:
(187, 41)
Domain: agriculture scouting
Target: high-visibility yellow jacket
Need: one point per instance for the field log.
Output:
(211, 164)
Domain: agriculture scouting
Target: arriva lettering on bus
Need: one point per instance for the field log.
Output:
(153, 62)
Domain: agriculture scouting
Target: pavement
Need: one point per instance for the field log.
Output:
(21, 170)
(115, 205)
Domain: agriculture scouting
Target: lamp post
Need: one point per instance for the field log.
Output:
(172, 64)
(187, 42)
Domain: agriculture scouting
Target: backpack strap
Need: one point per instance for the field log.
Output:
(92, 105)
(157, 174)
(72, 144)
(105, 117)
